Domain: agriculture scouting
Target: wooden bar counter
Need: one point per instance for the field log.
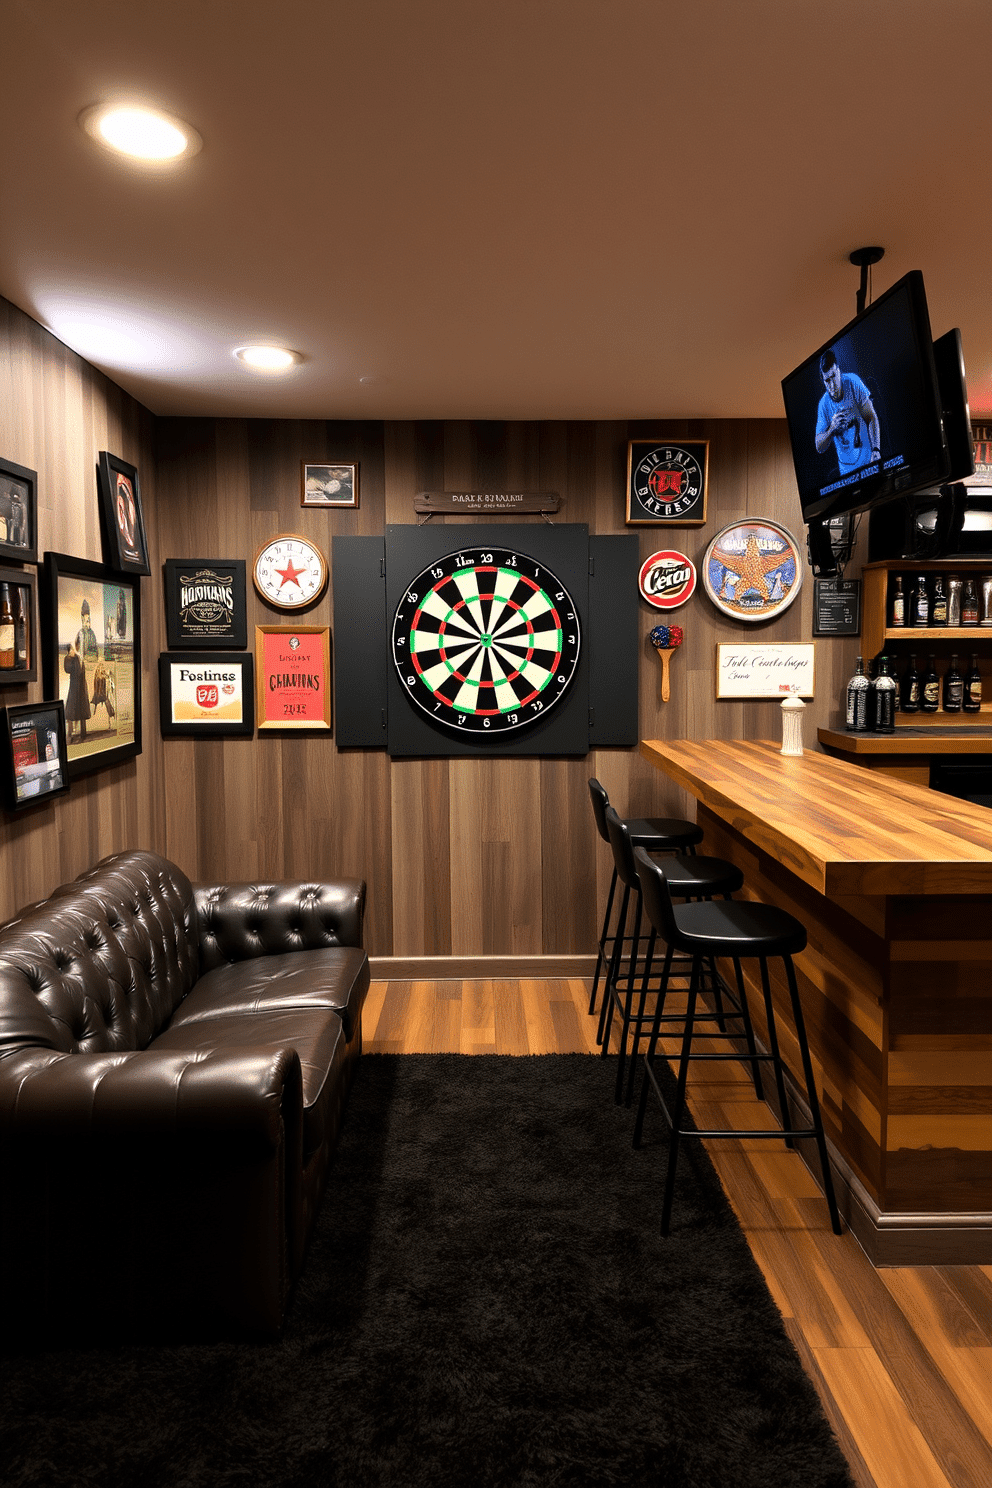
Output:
(894, 885)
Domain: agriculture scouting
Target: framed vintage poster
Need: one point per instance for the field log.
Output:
(34, 762)
(293, 676)
(753, 569)
(329, 485)
(666, 482)
(206, 695)
(91, 659)
(765, 669)
(18, 512)
(205, 603)
(18, 628)
(125, 546)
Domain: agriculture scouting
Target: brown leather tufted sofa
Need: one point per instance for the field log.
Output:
(173, 1069)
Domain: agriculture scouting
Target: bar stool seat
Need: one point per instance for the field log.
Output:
(739, 927)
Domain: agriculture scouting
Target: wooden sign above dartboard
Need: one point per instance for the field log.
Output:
(485, 503)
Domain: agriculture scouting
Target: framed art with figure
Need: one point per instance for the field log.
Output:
(125, 546)
(91, 653)
(18, 512)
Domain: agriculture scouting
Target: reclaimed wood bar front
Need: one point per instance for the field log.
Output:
(894, 885)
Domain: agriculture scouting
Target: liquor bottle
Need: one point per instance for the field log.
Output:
(969, 603)
(898, 602)
(884, 699)
(20, 630)
(911, 688)
(921, 602)
(6, 630)
(930, 691)
(954, 600)
(953, 688)
(938, 612)
(857, 699)
(973, 688)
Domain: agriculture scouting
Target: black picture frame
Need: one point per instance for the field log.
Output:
(214, 619)
(667, 482)
(18, 512)
(72, 588)
(214, 670)
(27, 581)
(125, 545)
(33, 758)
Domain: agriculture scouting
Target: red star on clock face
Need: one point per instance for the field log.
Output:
(289, 574)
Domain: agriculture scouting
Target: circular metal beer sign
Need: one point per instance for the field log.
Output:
(753, 570)
(667, 579)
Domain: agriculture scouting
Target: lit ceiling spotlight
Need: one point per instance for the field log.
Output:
(267, 358)
(141, 133)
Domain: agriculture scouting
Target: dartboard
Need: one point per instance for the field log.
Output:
(486, 641)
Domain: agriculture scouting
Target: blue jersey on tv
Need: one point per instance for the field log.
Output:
(853, 443)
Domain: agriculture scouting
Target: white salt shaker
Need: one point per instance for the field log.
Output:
(792, 725)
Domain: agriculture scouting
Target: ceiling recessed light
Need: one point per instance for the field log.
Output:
(267, 358)
(140, 133)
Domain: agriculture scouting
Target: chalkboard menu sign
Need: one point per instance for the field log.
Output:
(836, 607)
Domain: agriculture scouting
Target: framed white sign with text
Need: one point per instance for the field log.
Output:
(758, 669)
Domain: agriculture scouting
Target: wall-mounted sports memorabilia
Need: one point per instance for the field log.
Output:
(91, 656)
(34, 754)
(666, 482)
(667, 579)
(18, 512)
(666, 639)
(205, 602)
(290, 571)
(293, 677)
(753, 570)
(125, 546)
(206, 695)
(329, 485)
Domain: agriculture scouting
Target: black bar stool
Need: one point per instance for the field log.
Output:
(738, 929)
(689, 876)
(655, 834)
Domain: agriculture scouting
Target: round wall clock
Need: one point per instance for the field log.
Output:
(753, 570)
(289, 571)
(486, 641)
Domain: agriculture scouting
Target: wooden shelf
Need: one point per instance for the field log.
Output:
(937, 633)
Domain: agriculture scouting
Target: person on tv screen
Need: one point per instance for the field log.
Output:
(847, 416)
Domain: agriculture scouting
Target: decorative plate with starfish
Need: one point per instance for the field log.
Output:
(753, 570)
(290, 571)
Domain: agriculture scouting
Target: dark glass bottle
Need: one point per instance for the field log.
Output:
(6, 630)
(857, 699)
(921, 602)
(973, 688)
(883, 703)
(20, 630)
(930, 691)
(912, 688)
(969, 603)
(953, 688)
(938, 610)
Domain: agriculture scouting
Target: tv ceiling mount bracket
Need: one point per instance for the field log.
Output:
(863, 258)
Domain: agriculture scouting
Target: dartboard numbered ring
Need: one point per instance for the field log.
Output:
(486, 641)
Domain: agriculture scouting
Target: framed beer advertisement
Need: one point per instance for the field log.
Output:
(293, 677)
(125, 546)
(205, 603)
(18, 512)
(666, 482)
(206, 695)
(32, 741)
(91, 659)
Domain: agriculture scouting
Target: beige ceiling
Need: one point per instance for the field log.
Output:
(494, 208)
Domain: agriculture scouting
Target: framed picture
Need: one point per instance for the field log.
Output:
(293, 677)
(666, 482)
(18, 512)
(18, 629)
(760, 669)
(753, 570)
(329, 485)
(206, 695)
(125, 546)
(205, 603)
(91, 658)
(33, 764)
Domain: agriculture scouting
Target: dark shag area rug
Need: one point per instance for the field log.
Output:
(486, 1301)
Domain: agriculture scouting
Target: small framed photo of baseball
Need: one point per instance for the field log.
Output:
(666, 482)
(206, 695)
(125, 545)
(18, 512)
(330, 485)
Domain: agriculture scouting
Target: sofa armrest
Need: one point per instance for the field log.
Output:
(241, 920)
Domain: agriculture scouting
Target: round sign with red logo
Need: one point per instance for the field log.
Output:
(667, 579)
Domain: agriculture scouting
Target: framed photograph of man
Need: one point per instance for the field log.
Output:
(32, 745)
(125, 546)
(330, 485)
(91, 655)
(18, 512)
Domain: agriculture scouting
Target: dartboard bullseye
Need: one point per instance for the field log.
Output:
(486, 641)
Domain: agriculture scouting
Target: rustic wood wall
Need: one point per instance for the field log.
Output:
(464, 858)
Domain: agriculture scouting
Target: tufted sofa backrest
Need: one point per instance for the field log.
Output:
(241, 920)
(102, 964)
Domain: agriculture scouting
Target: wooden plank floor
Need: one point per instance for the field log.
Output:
(902, 1358)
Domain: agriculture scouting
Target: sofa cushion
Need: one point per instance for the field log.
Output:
(318, 1038)
(336, 979)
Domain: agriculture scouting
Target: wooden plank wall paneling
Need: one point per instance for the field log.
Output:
(461, 857)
